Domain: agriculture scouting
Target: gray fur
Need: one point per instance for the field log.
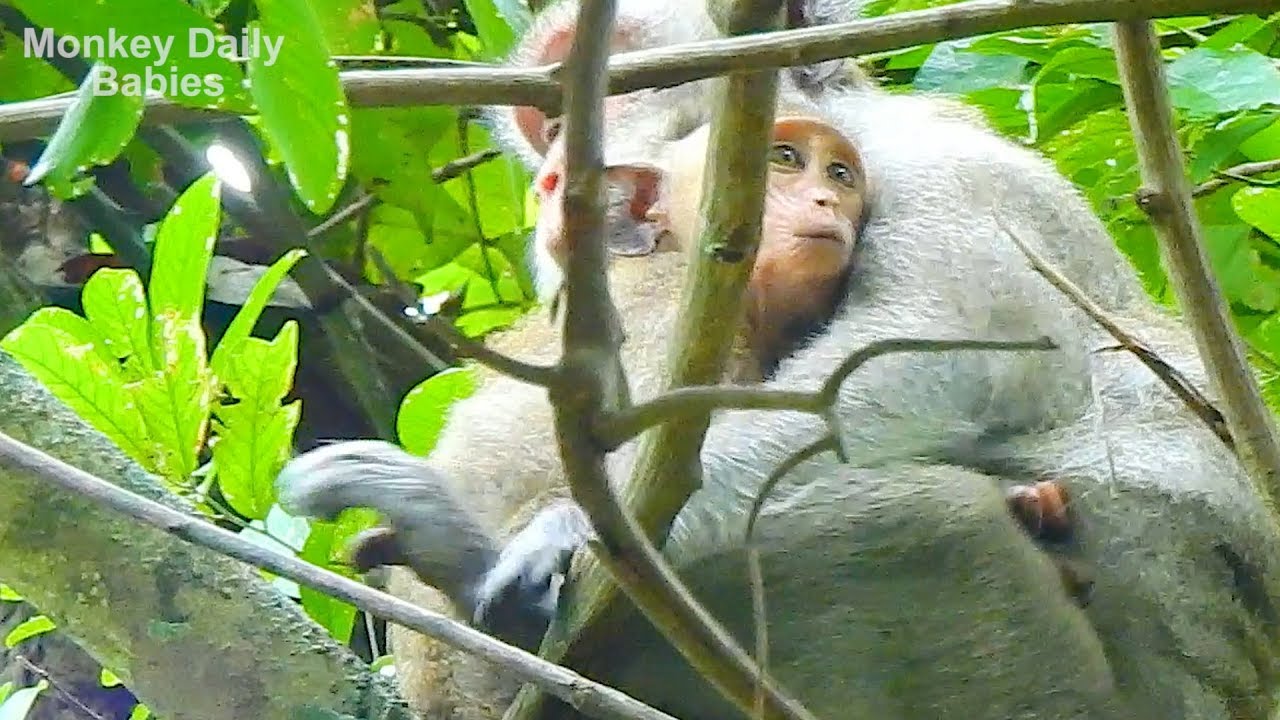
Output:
(899, 581)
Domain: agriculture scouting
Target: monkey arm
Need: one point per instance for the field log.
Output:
(430, 532)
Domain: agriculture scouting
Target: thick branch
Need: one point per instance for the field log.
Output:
(589, 697)
(676, 64)
(1167, 199)
(591, 381)
(184, 627)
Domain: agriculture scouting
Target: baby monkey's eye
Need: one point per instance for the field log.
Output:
(842, 174)
(785, 155)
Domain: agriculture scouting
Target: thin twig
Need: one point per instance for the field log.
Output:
(346, 213)
(675, 64)
(541, 375)
(454, 168)
(589, 697)
(1177, 383)
(616, 428)
(1236, 173)
(755, 572)
(1167, 200)
(58, 689)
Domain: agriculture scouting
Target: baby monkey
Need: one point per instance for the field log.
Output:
(816, 203)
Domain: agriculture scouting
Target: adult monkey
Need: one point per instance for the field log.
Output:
(815, 209)
(1181, 625)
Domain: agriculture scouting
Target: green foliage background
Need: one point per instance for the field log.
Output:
(137, 364)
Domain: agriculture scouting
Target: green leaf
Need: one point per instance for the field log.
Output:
(26, 78)
(350, 27)
(247, 317)
(140, 712)
(92, 132)
(1222, 143)
(64, 353)
(952, 69)
(1059, 107)
(183, 250)
(1236, 32)
(1213, 82)
(1263, 146)
(174, 22)
(116, 306)
(1083, 62)
(1260, 207)
(18, 705)
(425, 408)
(8, 594)
(303, 109)
(498, 22)
(106, 678)
(255, 433)
(482, 322)
(31, 627)
(175, 399)
(326, 547)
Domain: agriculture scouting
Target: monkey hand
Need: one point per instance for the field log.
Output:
(426, 527)
(523, 586)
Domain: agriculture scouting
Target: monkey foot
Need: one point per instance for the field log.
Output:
(1043, 509)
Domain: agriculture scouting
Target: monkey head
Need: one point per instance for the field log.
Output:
(815, 206)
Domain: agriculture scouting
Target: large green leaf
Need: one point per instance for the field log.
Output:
(116, 306)
(1205, 81)
(247, 317)
(498, 23)
(183, 250)
(175, 399)
(255, 432)
(68, 357)
(184, 45)
(952, 69)
(304, 111)
(26, 77)
(350, 27)
(1260, 207)
(1221, 143)
(92, 132)
(425, 408)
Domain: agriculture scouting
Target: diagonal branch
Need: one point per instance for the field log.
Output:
(675, 64)
(1167, 200)
(1177, 383)
(592, 698)
(591, 381)
(618, 428)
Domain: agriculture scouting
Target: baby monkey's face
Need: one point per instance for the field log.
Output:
(817, 189)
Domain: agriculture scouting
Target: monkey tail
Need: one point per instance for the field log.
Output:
(426, 528)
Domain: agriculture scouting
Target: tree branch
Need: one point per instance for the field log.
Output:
(677, 64)
(1177, 383)
(584, 695)
(1167, 200)
(617, 428)
(1237, 173)
(591, 380)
